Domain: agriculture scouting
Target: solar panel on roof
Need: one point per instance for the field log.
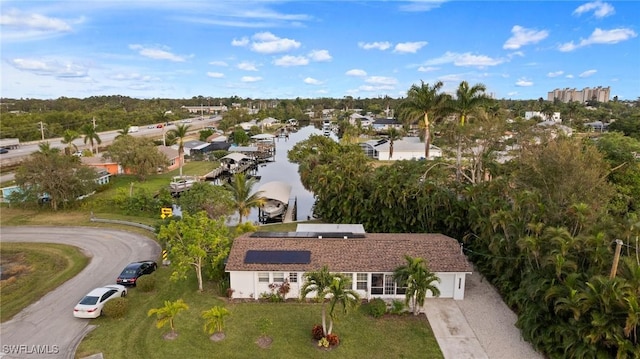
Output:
(277, 257)
(307, 235)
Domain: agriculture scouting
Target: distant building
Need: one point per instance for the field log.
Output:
(528, 115)
(600, 94)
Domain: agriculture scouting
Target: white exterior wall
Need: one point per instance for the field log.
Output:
(408, 155)
(246, 285)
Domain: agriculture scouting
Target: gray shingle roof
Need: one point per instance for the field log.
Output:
(377, 252)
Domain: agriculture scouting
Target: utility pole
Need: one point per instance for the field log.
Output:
(616, 259)
(42, 130)
(94, 122)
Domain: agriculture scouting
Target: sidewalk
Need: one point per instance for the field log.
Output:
(478, 327)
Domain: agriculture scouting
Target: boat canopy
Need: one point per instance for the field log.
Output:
(235, 156)
(263, 136)
(276, 190)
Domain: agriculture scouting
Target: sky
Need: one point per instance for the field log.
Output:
(311, 49)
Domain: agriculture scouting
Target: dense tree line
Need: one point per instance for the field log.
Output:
(540, 225)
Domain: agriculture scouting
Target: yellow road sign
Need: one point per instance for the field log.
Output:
(166, 212)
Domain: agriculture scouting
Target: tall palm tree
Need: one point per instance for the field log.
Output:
(240, 187)
(165, 315)
(318, 282)
(341, 294)
(394, 134)
(424, 101)
(418, 279)
(90, 135)
(180, 132)
(469, 102)
(67, 139)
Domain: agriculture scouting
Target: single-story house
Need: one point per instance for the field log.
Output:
(268, 122)
(407, 148)
(173, 157)
(384, 124)
(100, 162)
(262, 258)
(194, 146)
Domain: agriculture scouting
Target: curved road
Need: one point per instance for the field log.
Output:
(48, 325)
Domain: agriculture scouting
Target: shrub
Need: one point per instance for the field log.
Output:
(397, 307)
(116, 307)
(333, 339)
(146, 283)
(316, 332)
(376, 307)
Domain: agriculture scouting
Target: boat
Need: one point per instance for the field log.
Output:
(276, 195)
(179, 184)
(273, 208)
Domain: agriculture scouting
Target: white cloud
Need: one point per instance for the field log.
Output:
(587, 73)
(218, 63)
(600, 9)
(600, 36)
(569, 76)
(356, 72)
(320, 55)
(420, 5)
(522, 36)
(157, 53)
(372, 88)
(384, 45)
(409, 47)
(523, 82)
(464, 59)
(240, 42)
(215, 75)
(55, 68)
(512, 93)
(247, 66)
(250, 78)
(20, 26)
(268, 43)
(555, 74)
(428, 68)
(381, 80)
(131, 77)
(312, 81)
(289, 60)
(453, 78)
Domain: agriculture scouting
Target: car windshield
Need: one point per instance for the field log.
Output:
(88, 300)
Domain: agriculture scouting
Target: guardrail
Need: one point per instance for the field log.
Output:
(126, 223)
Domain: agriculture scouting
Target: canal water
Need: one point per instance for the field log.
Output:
(284, 171)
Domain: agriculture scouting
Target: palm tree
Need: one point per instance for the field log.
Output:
(67, 139)
(46, 149)
(469, 101)
(214, 319)
(240, 187)
(167, 314)
(180, 132)
(90, 135)
(417, 278)
(341, 294)
(394, 134)
(424, 100)
(318, 282)
(124, 131)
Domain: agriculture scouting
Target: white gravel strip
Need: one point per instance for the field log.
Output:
(492, 321)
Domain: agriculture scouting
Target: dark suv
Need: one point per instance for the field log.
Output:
(133, 271)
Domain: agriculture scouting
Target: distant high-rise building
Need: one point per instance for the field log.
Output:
(600, 94)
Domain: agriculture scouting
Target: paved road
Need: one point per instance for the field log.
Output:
(49, 323)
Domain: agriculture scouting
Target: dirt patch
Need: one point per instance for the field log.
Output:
(170, 336)
(14, 266)
(216, 337)
(264, 342)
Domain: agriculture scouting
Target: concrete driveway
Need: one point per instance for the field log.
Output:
(479, 327)
(47, 328)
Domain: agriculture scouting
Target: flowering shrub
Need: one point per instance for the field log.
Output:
(332, 339)
(323, 342)
(316, 332)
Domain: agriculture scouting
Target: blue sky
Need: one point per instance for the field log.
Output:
(310, 49)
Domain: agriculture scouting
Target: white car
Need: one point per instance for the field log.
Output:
(91, 305)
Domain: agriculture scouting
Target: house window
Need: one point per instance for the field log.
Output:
(278, 277)
(293, 277)
(389, 284)
(263, 277)
(361, 281)
(400, 290)
(377, 283)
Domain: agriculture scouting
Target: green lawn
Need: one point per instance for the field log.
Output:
(39, 269)
(361, 336)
